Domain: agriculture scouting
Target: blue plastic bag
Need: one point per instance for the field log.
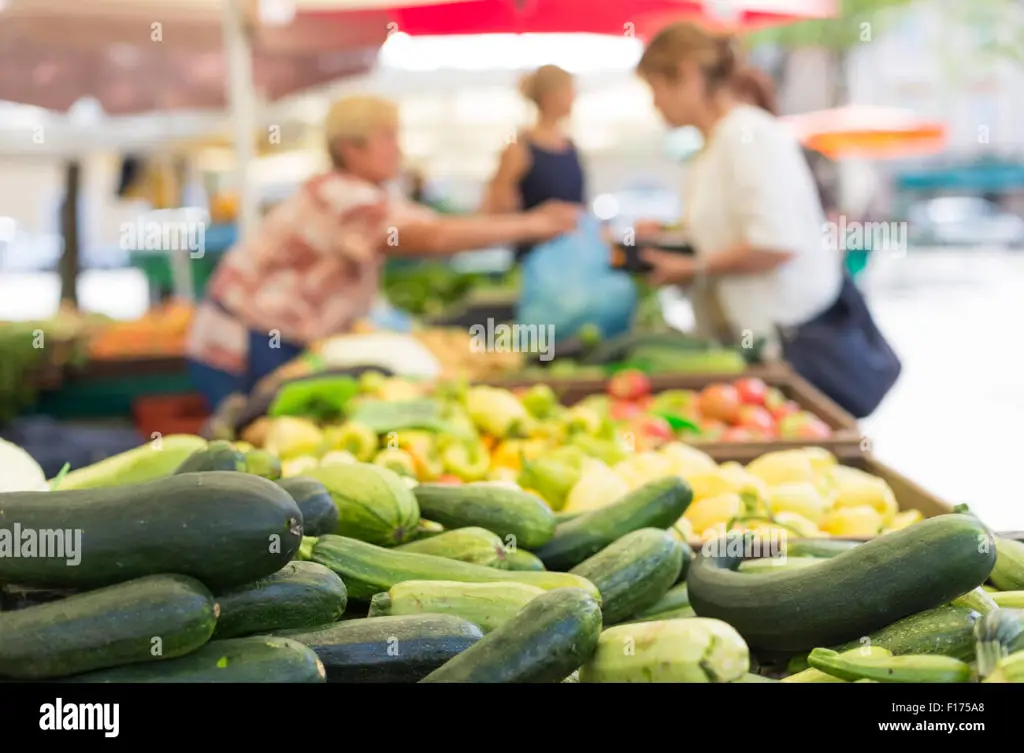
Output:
(568, 282)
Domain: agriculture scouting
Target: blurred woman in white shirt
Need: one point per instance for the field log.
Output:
(753, 211)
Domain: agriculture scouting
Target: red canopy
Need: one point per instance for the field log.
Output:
(639, 18)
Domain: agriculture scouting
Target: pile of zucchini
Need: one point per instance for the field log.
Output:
(223, 572)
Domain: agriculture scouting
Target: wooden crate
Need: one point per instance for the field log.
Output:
(846, 440)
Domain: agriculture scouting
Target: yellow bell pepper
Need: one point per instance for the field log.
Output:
(511, 452)
(398, 390)
(469, 462)
(904, 519)
(599, 486)
(804, 499)
(855, 522)
(643, 467)
(397, 461)
(495, 411)
(359, 440)
(821, 459)
(799, 525)
(290, 437)
(855, 488)
(783, 467)
(503, 474)
(298, 466)
(685, 459)
(711, 511)
(583, 420)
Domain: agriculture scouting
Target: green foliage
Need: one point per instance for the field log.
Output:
(859, 22)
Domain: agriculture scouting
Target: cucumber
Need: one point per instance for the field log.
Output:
(1009, 599)
(256, 659)
(427, 529)
(519, 518)
(300, 595)
(220, 527)
(143, 620)
(946, 631)
(565, 517)
(155, 459)
(319, 515)
(998, 634)
(486, 605)
(853, 667)
(405, 648)
(673, 599)
(696, 650)
(216, 456)
(475, 545)
(1008, 574)
(679, 613)
(777, 564)
(810, 675)
(520, 559)
(374, 504)
(1010, 669)
(545, 642)
(688, 557)
(848, 596)
(634, 572)
(657, 504)
(368, 569)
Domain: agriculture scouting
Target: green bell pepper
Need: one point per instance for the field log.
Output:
(551, 477)
(469, 462)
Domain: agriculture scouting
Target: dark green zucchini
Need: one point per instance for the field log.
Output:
(657, 504)
(946, 630)
(551, 637)
(319, 513)
(519, 518)
(143, 620)
(848, 596)
(216, 456)
(823, 548)
(1008, 574)
(520, 559)
(221, 527)
(388, 649)
(634, 572)
(256, 659)
(299, 595)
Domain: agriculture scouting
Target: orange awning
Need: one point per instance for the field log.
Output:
(868, 132)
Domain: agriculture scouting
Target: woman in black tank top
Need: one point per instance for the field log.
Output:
(542, 164)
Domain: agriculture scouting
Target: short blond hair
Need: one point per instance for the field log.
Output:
(355, 117)
(548, 78)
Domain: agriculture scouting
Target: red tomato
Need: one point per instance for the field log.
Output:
(447, 479)
(720, 402)
(752, 391)
(737, 434)
(788, 408)
(756, 418)
(624, 410)
(629, 385)
(804, 425)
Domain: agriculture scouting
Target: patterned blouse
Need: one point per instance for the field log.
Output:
(311, 270)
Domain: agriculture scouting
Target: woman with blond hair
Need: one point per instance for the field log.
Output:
(763, 265)
(313, 267)
(541, 164)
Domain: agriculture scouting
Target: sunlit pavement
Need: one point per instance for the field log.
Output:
(955, 421)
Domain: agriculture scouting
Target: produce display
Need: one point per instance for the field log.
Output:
(160, 332)
(205, 569)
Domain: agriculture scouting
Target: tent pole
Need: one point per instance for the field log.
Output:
(242, 99)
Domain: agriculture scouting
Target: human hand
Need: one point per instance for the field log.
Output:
(647, 228)
(554, 218)
(668, 268)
